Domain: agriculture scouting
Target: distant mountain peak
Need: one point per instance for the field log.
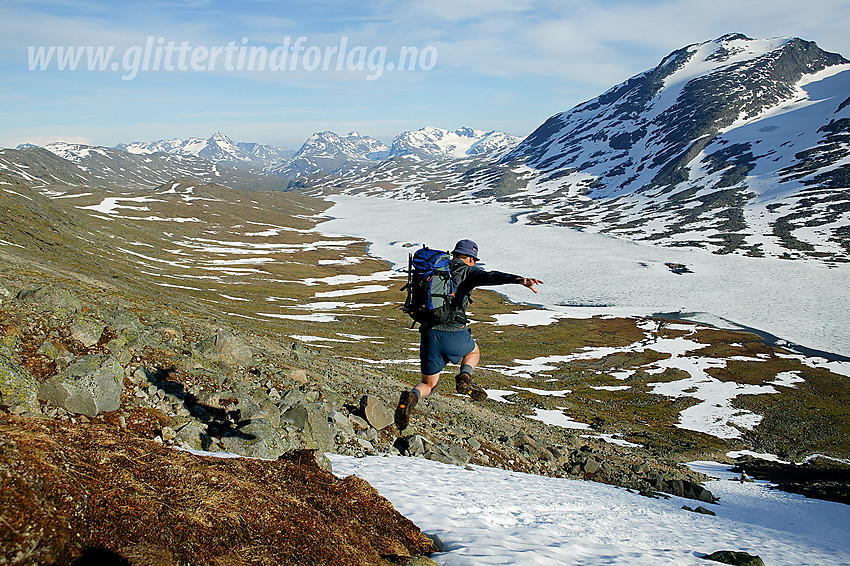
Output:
(329, 152)
(218, 148)
(432, 143)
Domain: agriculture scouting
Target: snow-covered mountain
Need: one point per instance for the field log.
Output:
(329, 152)
(734, 145)
(264, 153)
(739, 143)
(353, 155)
(218, 148)
(667, 125)
(430, 144)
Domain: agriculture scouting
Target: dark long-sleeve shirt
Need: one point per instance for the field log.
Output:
(466, 278)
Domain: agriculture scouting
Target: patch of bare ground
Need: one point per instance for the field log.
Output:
(75, 493)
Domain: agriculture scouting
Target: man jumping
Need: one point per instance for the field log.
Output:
(452, 341)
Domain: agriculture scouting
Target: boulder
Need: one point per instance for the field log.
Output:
(590, 466)
(359, 423)
(258, 439)
(10, 345)
(693, 490)
(90, 385)
(299, 375)
(227, 348)
(413, 445)
(317, 433)
(734, 557)
(310, 420)
(53, 297)
(191, 434)
(121, 349)
(49, 349)
(377, 414)
(123, 320)
(256, 404)
(292, 397)
(448, 454)
(18, 388)
(87, 330)
(296, 416)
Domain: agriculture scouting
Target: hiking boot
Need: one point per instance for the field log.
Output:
(406, 403)
(465, 386)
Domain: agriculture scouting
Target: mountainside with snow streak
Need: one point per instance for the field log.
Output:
(733, 145)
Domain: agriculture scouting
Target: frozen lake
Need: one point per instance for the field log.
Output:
(586, 274)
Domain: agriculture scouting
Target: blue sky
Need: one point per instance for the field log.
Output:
(490, 64)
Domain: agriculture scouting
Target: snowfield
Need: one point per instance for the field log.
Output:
(490, 516)
(587, 274)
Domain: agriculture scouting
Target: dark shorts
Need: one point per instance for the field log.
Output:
(439, 347)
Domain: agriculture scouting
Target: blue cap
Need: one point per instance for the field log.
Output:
(467, 247)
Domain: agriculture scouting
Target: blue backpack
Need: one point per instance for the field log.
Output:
(430, 289)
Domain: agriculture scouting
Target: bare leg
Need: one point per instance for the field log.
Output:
(472, 358)
(428, 383)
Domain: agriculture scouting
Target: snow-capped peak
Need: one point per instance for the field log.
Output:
(218, 148)
(432, 143)
(709, 56)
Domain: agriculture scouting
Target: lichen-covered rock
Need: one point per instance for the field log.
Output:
(18, 388)
(122, 320)
(49, 349)
(53, 297)
(191, 434)
(226, 348)
(317, 432)
(90, 385)
(258, 439)
(121, 349)
(87, 330)
(256, 404)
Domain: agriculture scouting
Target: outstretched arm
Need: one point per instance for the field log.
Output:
(478, 277)
(530, 283)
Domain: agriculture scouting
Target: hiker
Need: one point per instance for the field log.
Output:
(451, 342)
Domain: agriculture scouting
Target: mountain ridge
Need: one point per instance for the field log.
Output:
(323, 153)
(218, 148)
